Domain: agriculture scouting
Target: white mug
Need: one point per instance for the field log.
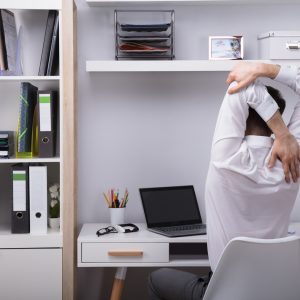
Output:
(117, 215)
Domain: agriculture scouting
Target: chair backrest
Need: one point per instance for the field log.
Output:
(257, 269)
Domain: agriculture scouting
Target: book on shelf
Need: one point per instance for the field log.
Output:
(26, 133)
(20, 199)
(8, 42)
(3, 57)
(29, 199)
(6, 144)
(37, 128)
(47, 114)
(38, 199)
(50, 54)
(53, 61)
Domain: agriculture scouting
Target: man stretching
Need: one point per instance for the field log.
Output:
(248, 191)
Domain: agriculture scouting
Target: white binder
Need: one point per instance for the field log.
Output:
(38, 199)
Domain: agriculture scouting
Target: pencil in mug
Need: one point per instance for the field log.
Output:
(125, 198)
(106, 200)
(122, 203)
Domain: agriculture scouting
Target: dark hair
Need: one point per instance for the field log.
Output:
(254, 117)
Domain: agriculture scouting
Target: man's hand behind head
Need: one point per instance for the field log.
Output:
(244, 73)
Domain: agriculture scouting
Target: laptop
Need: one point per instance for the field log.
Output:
(172, 211)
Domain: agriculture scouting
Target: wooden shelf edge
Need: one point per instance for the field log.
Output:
(69, 88)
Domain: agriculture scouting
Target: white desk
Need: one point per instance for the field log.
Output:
(136, 249)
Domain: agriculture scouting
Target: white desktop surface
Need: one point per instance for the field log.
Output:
(88, 234)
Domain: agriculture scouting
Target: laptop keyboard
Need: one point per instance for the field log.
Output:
(182, 227)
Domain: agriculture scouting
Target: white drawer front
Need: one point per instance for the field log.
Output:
(124, 252)
(276, 48)
(33, 274)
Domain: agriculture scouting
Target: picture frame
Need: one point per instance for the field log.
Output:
(226, 47)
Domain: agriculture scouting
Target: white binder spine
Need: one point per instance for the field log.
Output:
(38, 199)
(45, 112)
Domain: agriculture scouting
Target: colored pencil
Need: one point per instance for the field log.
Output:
(106, 200)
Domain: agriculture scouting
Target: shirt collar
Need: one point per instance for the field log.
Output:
(259, 141)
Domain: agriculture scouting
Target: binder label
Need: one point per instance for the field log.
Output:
(45, 112)
(19, 190)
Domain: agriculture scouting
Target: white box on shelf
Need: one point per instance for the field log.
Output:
(279, 45)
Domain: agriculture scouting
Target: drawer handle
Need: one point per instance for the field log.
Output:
(125, 253)
(293, 45)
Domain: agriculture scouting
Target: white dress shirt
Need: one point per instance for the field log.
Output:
(243, 196)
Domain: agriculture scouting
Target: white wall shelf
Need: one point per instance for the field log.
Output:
(31, 4)
(51, 240)
(29, 160)
(29, 78)
(166, 66)
(181, 2)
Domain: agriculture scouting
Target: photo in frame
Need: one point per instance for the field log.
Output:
(226, 47)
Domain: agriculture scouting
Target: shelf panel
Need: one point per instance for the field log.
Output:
(28, 78)
(182, 2)
(29, 160)
(8, 240)
(31, 4)
(167, 66)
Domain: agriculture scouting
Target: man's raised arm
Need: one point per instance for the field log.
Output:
(285, 146)
(233, 114)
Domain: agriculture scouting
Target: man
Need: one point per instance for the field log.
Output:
(244, 196)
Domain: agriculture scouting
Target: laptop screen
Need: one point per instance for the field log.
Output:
(169, 206)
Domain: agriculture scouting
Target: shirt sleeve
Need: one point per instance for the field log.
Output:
(233, 114)
(290, 76)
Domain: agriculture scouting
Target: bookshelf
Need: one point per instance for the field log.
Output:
(32, 16)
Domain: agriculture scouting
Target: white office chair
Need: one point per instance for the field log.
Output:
(257, 269)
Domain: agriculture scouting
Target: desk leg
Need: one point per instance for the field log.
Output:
(119, 281)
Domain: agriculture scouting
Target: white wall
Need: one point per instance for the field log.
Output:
(143, 130)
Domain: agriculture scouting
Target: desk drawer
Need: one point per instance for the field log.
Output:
(124, 252)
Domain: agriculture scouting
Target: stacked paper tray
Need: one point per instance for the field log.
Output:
(147, 40)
